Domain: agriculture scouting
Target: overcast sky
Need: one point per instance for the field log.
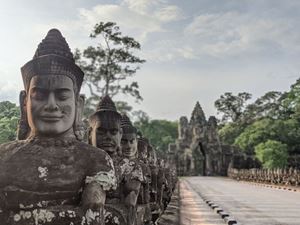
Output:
(195, 49)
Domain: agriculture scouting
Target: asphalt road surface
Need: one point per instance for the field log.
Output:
(247, 203)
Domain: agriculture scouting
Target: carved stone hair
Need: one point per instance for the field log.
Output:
(127, 126)
(53, 57)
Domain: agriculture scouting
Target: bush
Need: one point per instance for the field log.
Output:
(272, 154)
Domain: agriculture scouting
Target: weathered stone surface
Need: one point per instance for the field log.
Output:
(51, 177)
(199, 151)
(108, 129)
(283, 177)
(171, 215)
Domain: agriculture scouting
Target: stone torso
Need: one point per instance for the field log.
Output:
(49, 174)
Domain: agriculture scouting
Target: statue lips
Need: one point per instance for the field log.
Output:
(127, 151)
(51, 118)
(107, 145)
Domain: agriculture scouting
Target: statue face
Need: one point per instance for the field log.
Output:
(107, 137)
(152, 157)
(50, 105)
(143, 152)
(129, 145)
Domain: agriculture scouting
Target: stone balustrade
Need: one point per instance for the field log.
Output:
(288, 177)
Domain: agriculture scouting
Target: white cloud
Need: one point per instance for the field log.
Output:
(169, 13)
(234, 33)
(8, 91)
(140, 18)
(142, 6)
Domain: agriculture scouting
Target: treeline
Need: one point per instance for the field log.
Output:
(268, 128)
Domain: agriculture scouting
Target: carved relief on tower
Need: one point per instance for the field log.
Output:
(183, 128)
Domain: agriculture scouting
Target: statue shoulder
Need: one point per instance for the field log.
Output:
(10, 148)
(96, 155)
(101, 168)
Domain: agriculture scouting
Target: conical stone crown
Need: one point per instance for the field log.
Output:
(54, 43)
(125, 121)
(53, 57)
(106, 104)
(126, 125)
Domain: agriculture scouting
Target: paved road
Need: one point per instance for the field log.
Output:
(193, 210)
(249, 204)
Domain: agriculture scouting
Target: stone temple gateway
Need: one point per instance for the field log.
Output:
(198, 150)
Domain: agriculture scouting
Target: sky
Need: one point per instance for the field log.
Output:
(196, 50)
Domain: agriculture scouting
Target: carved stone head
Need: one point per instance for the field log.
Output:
(52, 83)
(152, 156)
(129, 138)
(143, 144)
(105, 127)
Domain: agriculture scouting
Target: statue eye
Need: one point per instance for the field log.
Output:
(100, 131)
(63, 95)
(123, 141)
(114, 131)
(38, 94)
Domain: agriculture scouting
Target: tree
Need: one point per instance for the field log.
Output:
(110, 63)
(229, 132)
(159, 132)
(256, 133)
(9, 116)
(267, 105)
(290, 102)
(232, 106)
(272, 154)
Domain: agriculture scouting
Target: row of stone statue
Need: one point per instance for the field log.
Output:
(50, 176)
(289, 177)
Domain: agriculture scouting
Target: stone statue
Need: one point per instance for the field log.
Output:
(131, 167)
(144, 195)
(106, 133)
(50, 177)
(161, 182)
(155, 207)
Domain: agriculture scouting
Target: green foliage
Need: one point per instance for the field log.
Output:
(266, 106)
(229, 132)
(109, 64)
(272, 154)
(273, 116)
(254, 134)
(232, 106)
(290, 102)
(9, 116)
(159, 132)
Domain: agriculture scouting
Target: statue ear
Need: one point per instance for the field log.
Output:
(89, 135)
(79, 128)
(23, 128)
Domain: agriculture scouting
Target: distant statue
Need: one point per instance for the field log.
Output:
(153, 164)
(132, 170)
(106, 133)
(144, 195)
(50, 177)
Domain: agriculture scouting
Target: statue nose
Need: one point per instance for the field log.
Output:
(51, 103)
(108, 135)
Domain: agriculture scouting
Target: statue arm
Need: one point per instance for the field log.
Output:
(93, 200)
(132, 187)
(132, 191)
(102, 178)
